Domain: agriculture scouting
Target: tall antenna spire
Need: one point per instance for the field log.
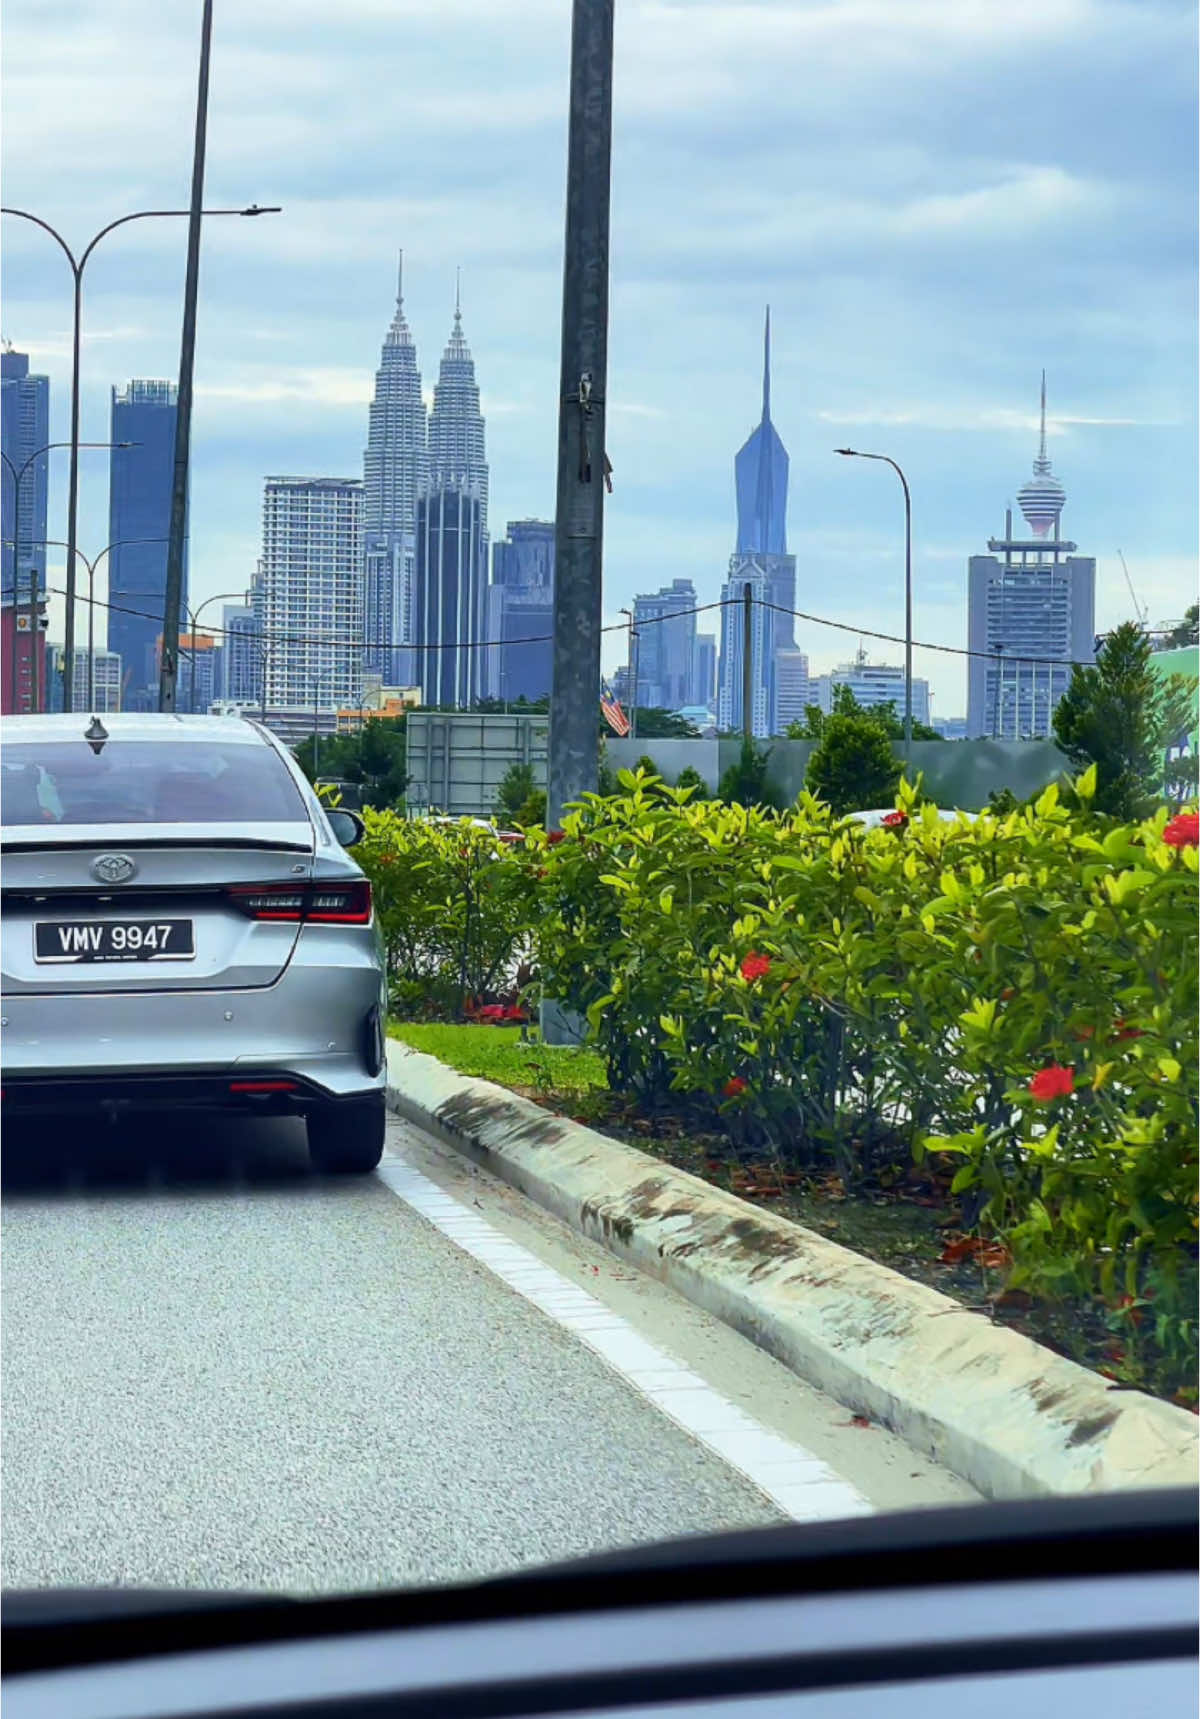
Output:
(767, 368)
(1041, 499)
(458, 295)
(1042, 443)
(400, 282)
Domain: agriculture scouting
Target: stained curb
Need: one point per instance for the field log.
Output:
(1006, 1415)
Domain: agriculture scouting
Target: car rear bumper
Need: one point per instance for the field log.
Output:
(321, 1026)
(115, 1096)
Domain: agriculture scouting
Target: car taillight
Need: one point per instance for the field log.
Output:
(311, 903)
(268, 902)
(259, 1086)
(340, 903)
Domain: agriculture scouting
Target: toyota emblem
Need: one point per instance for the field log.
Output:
(113, 868)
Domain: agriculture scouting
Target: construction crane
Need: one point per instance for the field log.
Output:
(1139, 609)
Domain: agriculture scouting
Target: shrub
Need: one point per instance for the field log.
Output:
(745, 783)
(1019, 993)
(690, 778)
(516, 787)
(852, 767)
(452, 906)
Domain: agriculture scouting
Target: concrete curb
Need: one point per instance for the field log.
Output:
(1009, 1417)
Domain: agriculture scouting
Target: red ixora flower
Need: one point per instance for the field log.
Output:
(1125, 1031)
(735, 1087)
(894, 820)
(755, 966)
(556, 836)
(1183, 831)
(1053, 1082)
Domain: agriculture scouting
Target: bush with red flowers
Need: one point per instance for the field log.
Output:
(1019, 993)
(453, 910)
(894, 820)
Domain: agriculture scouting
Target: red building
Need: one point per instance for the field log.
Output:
(17, 696)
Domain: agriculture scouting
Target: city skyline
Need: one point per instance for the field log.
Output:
(761, 469)
(453, 422)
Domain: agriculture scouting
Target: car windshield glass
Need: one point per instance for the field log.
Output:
(145, 782)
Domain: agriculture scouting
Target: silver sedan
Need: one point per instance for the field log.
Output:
(181, 925)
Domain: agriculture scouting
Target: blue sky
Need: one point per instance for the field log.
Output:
(937, 197)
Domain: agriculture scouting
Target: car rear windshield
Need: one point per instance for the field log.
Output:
(146, 782)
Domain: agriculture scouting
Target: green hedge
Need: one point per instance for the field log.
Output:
(454, 910)
(1019, 992)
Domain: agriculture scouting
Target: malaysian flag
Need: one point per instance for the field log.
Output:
(612, 713)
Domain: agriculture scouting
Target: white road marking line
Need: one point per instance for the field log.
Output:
(801, 1485)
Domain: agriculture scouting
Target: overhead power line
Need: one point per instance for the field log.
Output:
(616, 627)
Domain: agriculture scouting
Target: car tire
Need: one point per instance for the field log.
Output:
(347, 1139)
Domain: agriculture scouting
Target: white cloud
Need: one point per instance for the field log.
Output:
(946, 415)
(318, 387)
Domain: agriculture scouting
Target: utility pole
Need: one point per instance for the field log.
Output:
(574, 762)
(582, 468)
(632, 661)
(747, 663)
(183, 406)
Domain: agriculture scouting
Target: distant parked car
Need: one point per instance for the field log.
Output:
(182, 926)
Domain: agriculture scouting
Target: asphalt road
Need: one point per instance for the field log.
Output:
(221, 1372)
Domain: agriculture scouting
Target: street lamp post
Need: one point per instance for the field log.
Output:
(77, 266)
(854, 453)
(193, 617)
(121, 543)
(321, 674)
(633, 673)
(16, 549)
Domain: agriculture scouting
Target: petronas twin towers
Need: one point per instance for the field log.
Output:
(425, 560)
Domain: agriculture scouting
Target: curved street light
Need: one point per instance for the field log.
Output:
(856, 454)
(121, 543)
(16, 549)
(193, 617)
(77, 266)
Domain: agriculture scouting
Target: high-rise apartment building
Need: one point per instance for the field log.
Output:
(743, 572)
(395, 473)
(139, 515)
(310, 592)
(24, 430)
(793, 688)
(761, 561)
(242, 655)
(198, 658)
(1031, 604)
(451, 594)
(106, 681)
(665, 623)
(520, 612)
(524, 556)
